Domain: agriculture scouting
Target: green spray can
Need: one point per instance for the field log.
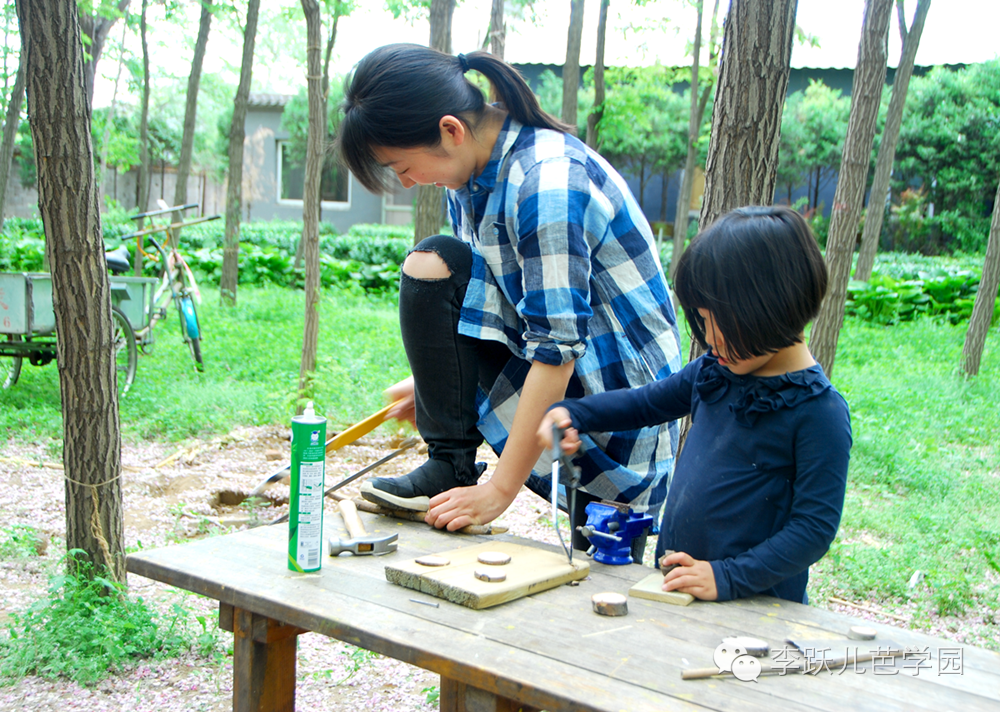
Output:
(305, 508)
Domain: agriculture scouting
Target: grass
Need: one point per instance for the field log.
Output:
(924, 483)
(252, 354)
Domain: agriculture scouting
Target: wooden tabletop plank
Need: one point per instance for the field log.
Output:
(550, 648)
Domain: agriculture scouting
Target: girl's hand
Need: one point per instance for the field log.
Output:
(402, 395)
(560, 417)
(691, 576)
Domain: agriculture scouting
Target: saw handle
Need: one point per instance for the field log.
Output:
(349, 511)
(358, 429)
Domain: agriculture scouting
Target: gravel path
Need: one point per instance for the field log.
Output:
(174, 494)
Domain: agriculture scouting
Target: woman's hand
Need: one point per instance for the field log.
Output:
(560, 417)
(691, 576)
(462, 506)
(401, 394)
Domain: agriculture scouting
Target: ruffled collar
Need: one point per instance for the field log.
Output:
(756, 394)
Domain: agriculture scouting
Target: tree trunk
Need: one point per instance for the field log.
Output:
(97, 27)
(311, 194)
(694, 127)
(571, 68)
(498, 31)
(593, 138)
(982, 311)
(866, 93)
(694, 130)
(890, 135)
(143, 200)
(10, 132)
(59, 114)
(191, 107)
(234, 192)
(742, 163)
(428, 215)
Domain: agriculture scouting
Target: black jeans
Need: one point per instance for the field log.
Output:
(448, 368)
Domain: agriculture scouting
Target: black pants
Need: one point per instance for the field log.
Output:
(448, 369)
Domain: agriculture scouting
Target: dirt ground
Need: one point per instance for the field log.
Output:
(176, 493)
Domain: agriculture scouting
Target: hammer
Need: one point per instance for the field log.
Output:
(361, 543)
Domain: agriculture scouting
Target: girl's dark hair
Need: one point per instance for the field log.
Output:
(760, 272)
(399, 93)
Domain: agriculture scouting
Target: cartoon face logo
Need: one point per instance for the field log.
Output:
(314, 437)
(746, 668)
(725, 654)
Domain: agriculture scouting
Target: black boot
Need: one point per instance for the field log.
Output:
(445, 368)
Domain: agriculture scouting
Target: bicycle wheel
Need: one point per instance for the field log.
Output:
(191, 330)
(125, 351)
(10, 368)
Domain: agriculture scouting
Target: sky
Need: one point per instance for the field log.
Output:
(957, 31)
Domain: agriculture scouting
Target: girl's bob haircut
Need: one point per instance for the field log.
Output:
(760, 273)
(399, 93)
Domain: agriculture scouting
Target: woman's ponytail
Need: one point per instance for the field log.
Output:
(513, 92)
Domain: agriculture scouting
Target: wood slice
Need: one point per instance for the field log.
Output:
(489, 575)
(432, 560)
(861, 632)
(493, 558)
(610, 604)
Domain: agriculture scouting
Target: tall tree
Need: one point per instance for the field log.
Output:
(890, 135)
(95, 24)
(318, 83)
(11, 122)
(143, 197)
(59, 115)
(594, 118)
(429, 210)
(742, 163)
(698, 104)
(498, 30)
(866, 94)
(191, 106)
(571, 68)
(237, 135)
(983, 309)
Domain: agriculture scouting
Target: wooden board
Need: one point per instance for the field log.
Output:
(530, 570)
(649, 588)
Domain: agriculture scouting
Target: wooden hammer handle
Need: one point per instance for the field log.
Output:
(701, 673)
(349, 512)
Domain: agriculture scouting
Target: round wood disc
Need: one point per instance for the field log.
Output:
(610, 604)
(494, 558)
(861, 632)
(432, 560)
(490, 575)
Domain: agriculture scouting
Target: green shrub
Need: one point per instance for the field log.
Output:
(84, 629)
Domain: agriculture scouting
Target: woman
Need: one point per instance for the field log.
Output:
(551, 286)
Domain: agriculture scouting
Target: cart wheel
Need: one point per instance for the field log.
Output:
(191, 330)
(10, 368)
(125, 351)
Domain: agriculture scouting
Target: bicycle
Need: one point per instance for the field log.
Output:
(177, 282)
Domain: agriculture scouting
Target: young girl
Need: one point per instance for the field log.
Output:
(550, 287)
(759, 487)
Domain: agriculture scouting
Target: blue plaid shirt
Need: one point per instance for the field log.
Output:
(565, 268)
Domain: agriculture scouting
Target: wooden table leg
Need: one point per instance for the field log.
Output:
(458, 697)
(263, 661)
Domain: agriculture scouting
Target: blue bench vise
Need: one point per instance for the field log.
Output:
(610, 528)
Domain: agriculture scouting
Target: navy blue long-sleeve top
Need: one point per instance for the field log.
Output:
(758, 489)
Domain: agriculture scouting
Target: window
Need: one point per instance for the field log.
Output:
(334, 182)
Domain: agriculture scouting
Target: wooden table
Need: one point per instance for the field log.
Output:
(548, 651)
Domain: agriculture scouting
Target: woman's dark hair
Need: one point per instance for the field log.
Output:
(399, 93)
(760, 272)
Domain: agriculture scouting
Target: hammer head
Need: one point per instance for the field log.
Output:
(368, 545)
